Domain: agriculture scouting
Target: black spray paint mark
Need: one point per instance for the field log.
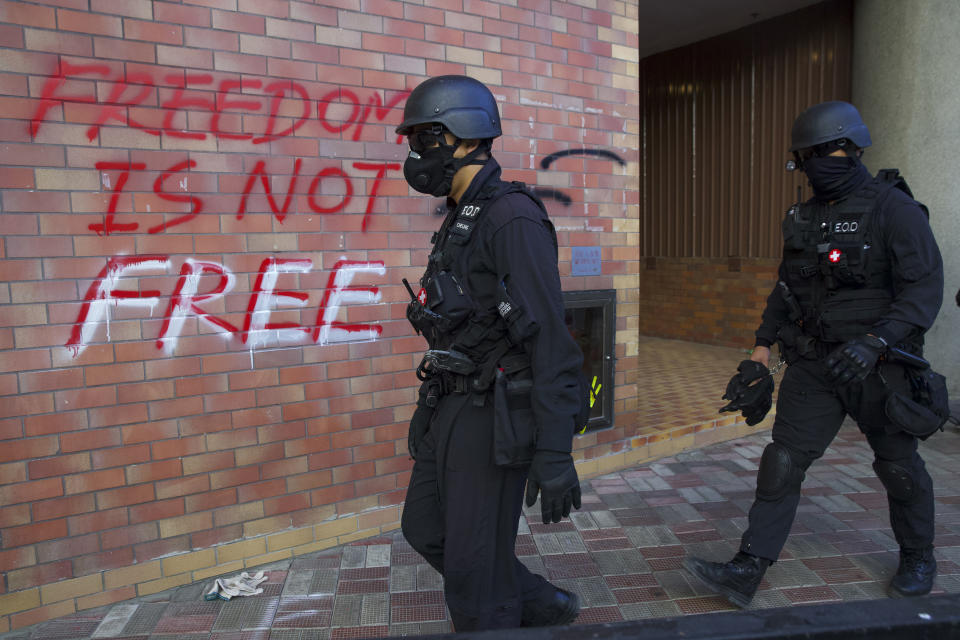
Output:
(554, 194)
(556, 155)
(559, 196)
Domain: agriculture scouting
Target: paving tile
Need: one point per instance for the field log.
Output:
(67, 628)
(791, 573)
(428, 579)
(403, 578)
(806, 595)
(354, 557)
(572, 542)
(323, 581)
(375, 609)
(645, 610)
(705, 604)
(651, 536)
(144, 619)
(346, 610)
(362, 586)
(620, 562)
(593, 592)
(359, 632)
(679, 584)
(378, 555)
(246, 613)
(598, 615)
(420, 613)
(300, 634)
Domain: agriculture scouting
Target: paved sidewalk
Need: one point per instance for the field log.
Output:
(622, 553)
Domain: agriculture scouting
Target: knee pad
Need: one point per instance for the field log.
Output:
(778, 474)
(896, 480)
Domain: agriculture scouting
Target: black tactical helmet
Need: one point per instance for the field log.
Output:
(461, 104)
(826, 122)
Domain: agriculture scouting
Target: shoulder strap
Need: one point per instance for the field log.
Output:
(522, 188)
(893, 178)
(465, 218)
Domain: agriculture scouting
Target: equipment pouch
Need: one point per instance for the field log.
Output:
(787, 336)
(514, 430)
(927, 411)
(850, 313)
(446, 297)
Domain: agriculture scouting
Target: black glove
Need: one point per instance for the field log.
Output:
(750, 391)
(554, 477)
(854, 359)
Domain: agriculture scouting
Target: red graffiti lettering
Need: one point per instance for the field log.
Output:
(223, 104)
(264, 300)
(339, 291)
(184, 299)
(382, 111)
(104, 289)
(180, 99)
(108, 225)
(329, 171)
(258, 169)
(381, 169)
(188, 94)
(325, 102)
(356, 117)
(116, 110)
(196, 203)
(279, 89)
(264, 294)
(49, 97)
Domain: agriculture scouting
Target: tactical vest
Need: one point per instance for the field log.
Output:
(481, 333)
(836, 263)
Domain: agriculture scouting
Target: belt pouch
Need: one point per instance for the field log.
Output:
(921, 419)
(513, 425)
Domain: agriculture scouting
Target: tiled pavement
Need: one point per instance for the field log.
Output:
(622, 552)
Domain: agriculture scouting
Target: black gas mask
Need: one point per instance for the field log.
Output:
(430, 165)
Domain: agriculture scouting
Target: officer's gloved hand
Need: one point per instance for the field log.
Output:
(554, 477)
(750, 391)
(854, 359)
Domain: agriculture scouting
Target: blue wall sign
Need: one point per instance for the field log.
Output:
(585, 261)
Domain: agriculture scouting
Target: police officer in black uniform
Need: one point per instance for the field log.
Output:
(501, 386)
(861, 280)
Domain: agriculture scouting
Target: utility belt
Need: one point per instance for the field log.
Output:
(795, 344)
(508, 379)
(917, 403)
(456, 373)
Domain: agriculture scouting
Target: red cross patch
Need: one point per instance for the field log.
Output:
(834, 256)
(422, 296)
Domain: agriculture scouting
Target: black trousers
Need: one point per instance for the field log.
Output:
(461, 514)
(810, 411)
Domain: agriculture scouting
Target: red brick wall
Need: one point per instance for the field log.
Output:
(711, 300)
(204, 361)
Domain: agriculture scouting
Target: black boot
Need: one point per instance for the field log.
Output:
(915, 574)
(737, 580)
(560, 607)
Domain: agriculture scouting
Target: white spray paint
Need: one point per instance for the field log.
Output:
(343, 294)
